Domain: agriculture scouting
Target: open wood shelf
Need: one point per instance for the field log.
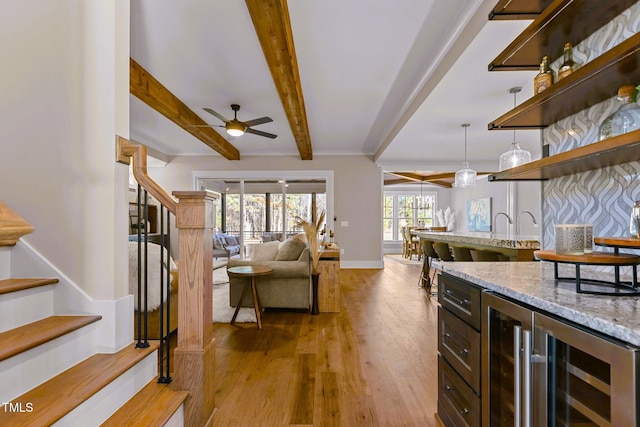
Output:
(613, 151)
(561, 21)
(595, 258)
(618, 242)
(518, 9)
(595, 82)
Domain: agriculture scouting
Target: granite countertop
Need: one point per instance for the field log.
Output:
(532, 283)
(484, 238)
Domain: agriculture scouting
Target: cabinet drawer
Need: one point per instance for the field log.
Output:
(459, 344)
(461, 298)
(458, 405)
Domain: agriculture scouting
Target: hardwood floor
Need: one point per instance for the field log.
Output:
(373, 364)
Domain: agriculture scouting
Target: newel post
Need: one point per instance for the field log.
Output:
(195, 352)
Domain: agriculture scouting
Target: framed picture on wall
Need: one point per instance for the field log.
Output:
(479, 214)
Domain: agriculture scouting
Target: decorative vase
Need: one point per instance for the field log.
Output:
(634, 220)
(314, 305)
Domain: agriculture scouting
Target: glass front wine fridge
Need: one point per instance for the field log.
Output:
(540, 371)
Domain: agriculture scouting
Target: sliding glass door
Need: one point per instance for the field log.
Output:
(262, 208)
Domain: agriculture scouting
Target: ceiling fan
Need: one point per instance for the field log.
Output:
(237, 128)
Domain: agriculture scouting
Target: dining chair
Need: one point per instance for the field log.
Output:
(412, 244)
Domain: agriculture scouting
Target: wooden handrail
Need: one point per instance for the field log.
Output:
(125, 151)
(12, 226)
(194, 355)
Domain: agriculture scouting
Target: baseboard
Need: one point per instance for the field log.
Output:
(362, 264)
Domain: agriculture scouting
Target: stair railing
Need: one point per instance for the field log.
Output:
(143, 238)
(194, 355)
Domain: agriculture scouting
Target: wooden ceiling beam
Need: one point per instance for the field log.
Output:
(149, 90)
(408, 176)
(273, 28)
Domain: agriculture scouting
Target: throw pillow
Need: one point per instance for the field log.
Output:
(219, 241)
(300, 236)
(290, 250)
(265, 251)
(231, 240)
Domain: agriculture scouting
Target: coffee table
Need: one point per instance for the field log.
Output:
(251, 271)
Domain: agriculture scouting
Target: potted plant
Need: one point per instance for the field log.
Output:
(311, 231)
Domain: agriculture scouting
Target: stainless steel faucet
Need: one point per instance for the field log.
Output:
(496, 217)
(533, 218)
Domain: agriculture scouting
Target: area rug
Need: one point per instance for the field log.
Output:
(402, 260)
(222, 311)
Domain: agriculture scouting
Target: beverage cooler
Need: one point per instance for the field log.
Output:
(545, 372)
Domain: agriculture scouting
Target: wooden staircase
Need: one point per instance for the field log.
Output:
(50, 371)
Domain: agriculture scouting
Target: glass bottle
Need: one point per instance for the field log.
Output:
(544, 79)
(569, 65)
(626, 119)
(634, 220)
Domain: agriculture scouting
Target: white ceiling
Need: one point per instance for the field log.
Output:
(390, 79)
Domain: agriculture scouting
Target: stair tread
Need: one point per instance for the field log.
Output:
(58, 396)
(154, 405)
(19, 284)
(31, 335)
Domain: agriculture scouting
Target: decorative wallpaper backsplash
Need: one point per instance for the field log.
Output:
(601, 197)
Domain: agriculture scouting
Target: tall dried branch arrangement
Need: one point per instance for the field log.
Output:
(311, 232)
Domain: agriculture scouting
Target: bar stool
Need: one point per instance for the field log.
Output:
(443, 251)
(461, 253)
(478, 255)
(429, 254)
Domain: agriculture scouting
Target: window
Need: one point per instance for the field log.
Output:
(251, 207)
(403, 208)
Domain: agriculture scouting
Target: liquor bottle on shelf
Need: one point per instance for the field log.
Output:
(544, 79)
(568, 65)
(626, 118)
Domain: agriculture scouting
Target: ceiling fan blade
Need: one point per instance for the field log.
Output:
(259, 132)
(259, 121)
(210, 111)
(206, 126)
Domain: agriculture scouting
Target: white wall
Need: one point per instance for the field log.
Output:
(64, 97)
(357, 195)
(511, 198)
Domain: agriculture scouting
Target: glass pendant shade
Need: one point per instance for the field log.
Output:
(465, 177)
(516, 156)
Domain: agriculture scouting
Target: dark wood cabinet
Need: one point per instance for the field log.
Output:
(459, 345)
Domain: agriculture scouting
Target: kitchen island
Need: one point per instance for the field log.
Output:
(532, 283)
(516, 345)
(511, 247)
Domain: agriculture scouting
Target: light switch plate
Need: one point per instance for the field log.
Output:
(344, 223)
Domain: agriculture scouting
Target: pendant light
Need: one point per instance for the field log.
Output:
(465, 177)
(516, 156)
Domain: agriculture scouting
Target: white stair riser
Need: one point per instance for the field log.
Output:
(103, 404)
(5, 262)
(177, 420)
(31, 368)
(26, 306)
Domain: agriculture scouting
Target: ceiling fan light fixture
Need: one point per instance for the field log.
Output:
(235, 129)
(465, 177)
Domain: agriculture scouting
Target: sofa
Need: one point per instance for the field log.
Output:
(225, 245)
(288, 286)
